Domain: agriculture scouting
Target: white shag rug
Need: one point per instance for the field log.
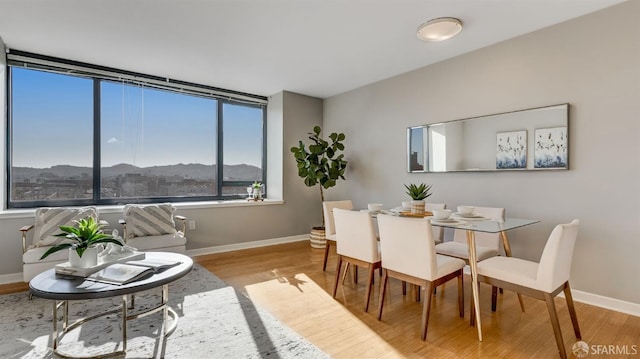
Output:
(214, 321)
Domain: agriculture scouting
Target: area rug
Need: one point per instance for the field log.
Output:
(215, 321)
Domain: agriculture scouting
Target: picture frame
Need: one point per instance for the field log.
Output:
(551, 148)
(511, 150)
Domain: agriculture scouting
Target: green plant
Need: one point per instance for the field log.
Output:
(418, 192)
(322, 164)
(87, 233)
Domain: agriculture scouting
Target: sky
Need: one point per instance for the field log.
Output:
(53, 124)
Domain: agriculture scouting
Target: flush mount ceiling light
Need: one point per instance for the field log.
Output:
(439, 29)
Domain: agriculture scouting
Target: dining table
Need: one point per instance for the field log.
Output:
(472, 225)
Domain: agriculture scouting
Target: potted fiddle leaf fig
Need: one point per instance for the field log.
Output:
(320, 164)
(418, 193)
(81, 242)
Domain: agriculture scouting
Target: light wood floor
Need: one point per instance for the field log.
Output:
(287, 280)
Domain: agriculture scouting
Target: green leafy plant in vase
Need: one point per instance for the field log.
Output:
(82, 240)
(418, 193)
(320, 164)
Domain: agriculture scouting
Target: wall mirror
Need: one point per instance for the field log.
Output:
(531, 139)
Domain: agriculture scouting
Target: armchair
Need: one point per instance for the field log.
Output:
(153, 228)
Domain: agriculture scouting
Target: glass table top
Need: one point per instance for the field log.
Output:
(486, 225)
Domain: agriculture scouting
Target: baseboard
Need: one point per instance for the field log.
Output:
(605, 302)
(11, 278)
(246, 245)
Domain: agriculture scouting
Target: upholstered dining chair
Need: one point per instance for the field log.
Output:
(438, 232)
(356, 243)
(408, 254)
(542, 280)
(329, 224)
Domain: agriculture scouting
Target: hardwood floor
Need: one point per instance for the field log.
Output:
(287, 280)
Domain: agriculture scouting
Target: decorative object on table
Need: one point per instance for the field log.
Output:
(321, 164)
(551, 148)
(255, 192)
(418, 193)
(511, 150)
(82, 241)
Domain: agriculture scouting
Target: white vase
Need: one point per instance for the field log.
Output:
(89, 258)
(417, 207)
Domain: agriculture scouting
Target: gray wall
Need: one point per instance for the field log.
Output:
(294, 115)
(593, 63)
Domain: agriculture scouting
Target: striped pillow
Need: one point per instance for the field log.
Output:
(49, 220)
(149, 220)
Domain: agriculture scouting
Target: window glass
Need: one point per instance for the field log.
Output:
(242, 146)
(156, 143)
(51, 136)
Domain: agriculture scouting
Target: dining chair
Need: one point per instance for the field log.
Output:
(408, 254)
(329, 224)
(487, 244)
(357, 244)
(438, 232)
(543, 280)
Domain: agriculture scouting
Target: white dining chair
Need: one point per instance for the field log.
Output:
(356, 243)
(487, 244)
(542, 280)
(438, 232)
(408, 254)
(329, 224)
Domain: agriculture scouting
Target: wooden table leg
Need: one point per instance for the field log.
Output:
(507, 251)
(473, 264)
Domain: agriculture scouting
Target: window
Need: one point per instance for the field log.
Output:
(108, 137)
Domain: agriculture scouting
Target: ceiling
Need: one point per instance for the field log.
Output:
(318, 48)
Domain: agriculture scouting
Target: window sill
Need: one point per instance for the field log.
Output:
(29, 213)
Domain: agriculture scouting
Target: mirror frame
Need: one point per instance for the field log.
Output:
(533, 146)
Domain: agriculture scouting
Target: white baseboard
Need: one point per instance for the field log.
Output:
(246, 245)
(605, 302)
(11, 278)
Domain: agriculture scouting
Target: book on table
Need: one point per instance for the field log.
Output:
(131, 271)
(68, 270)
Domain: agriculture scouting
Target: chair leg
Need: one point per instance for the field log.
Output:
(367, 298)
(572, 311)
(494, 298)
(355, 274)
(426, 310)
(326, 255)
(335, 286)
(404, 288)
(461, 294)
(346, 270)
(417, 289)
(383, 290)
(555, 323)
(472, 310)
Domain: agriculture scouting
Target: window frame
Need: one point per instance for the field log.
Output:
(20, 59)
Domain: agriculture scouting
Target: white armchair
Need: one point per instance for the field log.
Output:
(47, 223)
(153, 228)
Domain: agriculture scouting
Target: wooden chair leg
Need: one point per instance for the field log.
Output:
(426, 310)
(461, 294)
(404, 288)
(367, 298)
(355, 274)
(326, 255)
(572, 310)
(472, 310)
(335, 286)
(494, 298)
(417, 288)
(555, 323)
(383, 290)
(346, 270)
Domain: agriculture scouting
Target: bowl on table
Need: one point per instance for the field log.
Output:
(465, 210)
(441, 213)
(375, 207)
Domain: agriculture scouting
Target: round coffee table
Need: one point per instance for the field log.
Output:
(62, 289)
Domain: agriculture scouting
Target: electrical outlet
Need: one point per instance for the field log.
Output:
(192, 225)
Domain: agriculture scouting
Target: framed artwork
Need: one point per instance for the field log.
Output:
(511, 150)
(550, 148)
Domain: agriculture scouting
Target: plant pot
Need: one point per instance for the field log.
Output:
(417, 207)
(89, 258)
(317, 238)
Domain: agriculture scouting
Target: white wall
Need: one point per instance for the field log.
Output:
(291, 116)
(593, 63)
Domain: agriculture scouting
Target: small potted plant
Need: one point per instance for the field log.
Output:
(256, 191)
(418, 193)
(83, 239)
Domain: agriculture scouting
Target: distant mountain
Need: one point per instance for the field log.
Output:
(197, 171)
